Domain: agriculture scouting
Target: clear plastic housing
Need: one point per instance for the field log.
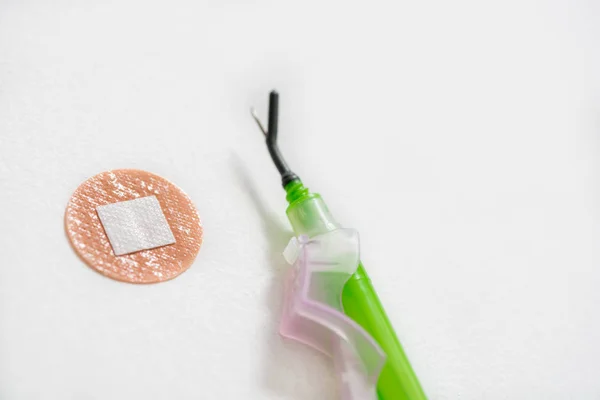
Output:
(313, 311)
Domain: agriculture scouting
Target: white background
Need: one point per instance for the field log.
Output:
(459, 137)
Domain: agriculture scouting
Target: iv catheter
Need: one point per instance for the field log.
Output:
(313, 223)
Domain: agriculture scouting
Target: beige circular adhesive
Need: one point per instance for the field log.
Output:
(89, 238)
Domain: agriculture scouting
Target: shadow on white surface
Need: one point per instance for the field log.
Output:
(283, 359)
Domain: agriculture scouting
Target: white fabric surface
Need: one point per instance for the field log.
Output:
(460, 138)
(135, 225)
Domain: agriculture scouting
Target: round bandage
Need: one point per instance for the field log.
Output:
(133, 226)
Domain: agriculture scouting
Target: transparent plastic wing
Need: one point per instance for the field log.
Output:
(313, 311)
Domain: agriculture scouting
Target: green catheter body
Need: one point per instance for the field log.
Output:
(309, 215)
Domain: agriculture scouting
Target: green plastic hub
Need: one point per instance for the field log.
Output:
(309, 215)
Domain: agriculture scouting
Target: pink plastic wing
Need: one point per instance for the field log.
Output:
(313, 311)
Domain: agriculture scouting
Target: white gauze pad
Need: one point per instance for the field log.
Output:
(135, 225)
